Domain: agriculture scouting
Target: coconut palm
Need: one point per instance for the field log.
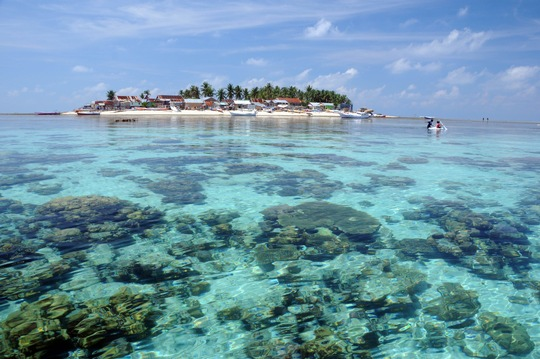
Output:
(245, 94)
(111, 95)
(230, 91)
(221, 95)
(207, 89)
(237, 92)
(145, 95)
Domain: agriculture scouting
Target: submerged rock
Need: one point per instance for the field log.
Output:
(307, 183)
(455, 303)
(36, 330)
(35, 278)
(508, 333)
(70, 222)
(338, 218)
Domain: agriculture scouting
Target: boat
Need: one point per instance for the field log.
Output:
(48, 113)
(355, 115)
(433, 128)
(243, 112)
(85, 112)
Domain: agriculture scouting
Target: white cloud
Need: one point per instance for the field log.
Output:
(519, 78)
(322, 28)
(403, 65)
(81, 68)
(408, 23)
(303, 75)
(409, 93)
(251, 83)
(256, 62)
(18, 92)
(97, 87)
(335, 80)
(126, 91)
(25, 90)
(453, 92)
(463, 11)
(456, 42)
(460, 76)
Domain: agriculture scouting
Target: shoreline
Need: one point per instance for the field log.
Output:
(212, 113)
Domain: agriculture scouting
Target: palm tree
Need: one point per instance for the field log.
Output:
(245, 94)
(254, 93)
(230, 91)
(194, 92)
(207, 90)
(267, 91)
(237, 92)
(145, 95)
(220, 95)
(111, 95)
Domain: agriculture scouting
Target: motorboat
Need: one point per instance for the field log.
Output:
(355, 115)
(243, 112)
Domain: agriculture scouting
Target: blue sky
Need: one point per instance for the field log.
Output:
(446, 58)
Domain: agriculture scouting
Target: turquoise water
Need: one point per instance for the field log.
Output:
(269, 238)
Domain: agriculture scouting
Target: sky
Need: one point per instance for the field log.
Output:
(444, 58)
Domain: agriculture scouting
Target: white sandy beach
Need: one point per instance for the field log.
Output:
(211, 113)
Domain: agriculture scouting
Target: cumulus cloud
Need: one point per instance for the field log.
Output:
(463, 11)
(335, 80)
(460, 76)
(322, 28)
(519, 77)
(403, 65)
(256, 62)
(453, 92)
(81, 68)
(129, 91)
(456, 42)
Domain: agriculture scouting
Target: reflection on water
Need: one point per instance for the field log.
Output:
(267, 238)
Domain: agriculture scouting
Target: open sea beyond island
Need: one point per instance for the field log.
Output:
(246, 237)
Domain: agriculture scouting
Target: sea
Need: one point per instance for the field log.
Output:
(254, 237)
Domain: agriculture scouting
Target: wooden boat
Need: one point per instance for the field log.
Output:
(85, 112)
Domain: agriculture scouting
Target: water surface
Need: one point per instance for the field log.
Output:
(270, 238)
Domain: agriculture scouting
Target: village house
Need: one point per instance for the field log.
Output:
(321, 106)
(126, 102)
(167, 100)
(193, 104)
(291, 102)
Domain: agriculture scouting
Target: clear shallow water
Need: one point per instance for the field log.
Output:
(230, 274)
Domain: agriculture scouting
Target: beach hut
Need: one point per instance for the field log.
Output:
(193, 104)
(168, 100)
(243, 104)
(126, 101)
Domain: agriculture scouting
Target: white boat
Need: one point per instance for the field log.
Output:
(355, 115)
(433, 128)
(86, 112)
(243, 112)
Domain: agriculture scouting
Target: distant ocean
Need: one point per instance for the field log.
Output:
(268, 238)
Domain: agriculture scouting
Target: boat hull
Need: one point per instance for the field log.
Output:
(243, 113)
(88, 113)
(356, 116)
